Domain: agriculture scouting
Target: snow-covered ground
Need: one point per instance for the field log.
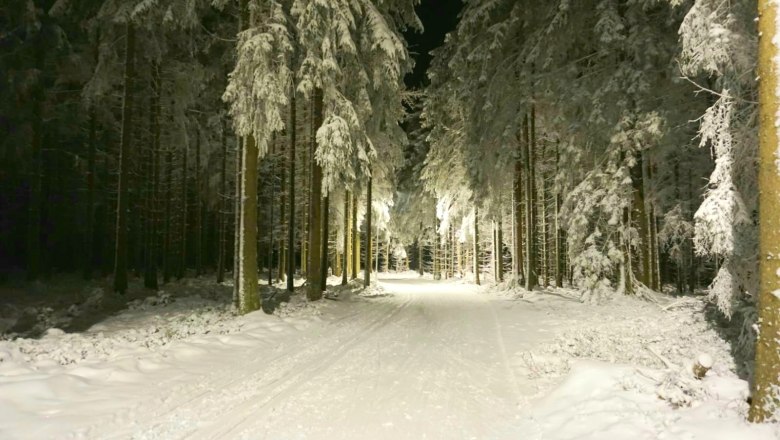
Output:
(411, 358)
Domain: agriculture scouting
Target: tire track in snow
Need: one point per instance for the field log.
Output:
(504, 356)
(294, 381)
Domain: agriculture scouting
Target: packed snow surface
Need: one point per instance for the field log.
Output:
(409, 358)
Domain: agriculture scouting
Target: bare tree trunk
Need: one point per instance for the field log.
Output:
(494, 253)
(530, 204)
(387, 257)
(238, 216)
(305, 219)
(344, 270)
(314, 291)
(766, 384)
(222, 208)
(150, 276)
(627, 273)
(355, 239)
(459, 247)
(136, 181)
(248, 298)
(183, 243)
(640, 214)
(517, 214)
(378, 250)
(367, 270)
(476, 245)
(692, 268)
(270, 202)
(246, 228)
(559, 258)
(325, 242)
(545, 269)
(653, 223)
(436, 248)
(282, 258)
(198, 209)
(420, 256)
(500, 249)
(120, 260)
(291, 190)
(659, 278)
(166, 253)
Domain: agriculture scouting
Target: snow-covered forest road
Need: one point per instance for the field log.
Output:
(426, 360)
(408, 359)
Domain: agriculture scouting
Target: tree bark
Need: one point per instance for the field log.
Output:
(345, 256)
(150, 276)
(766, 384)
(183, 242)
(120, 259)
(640, 213)
(271, 226)
(305, 175)
(500, 249)
(436, 248)
(291, 190)
(387, 255)
(198, 209)
(545, 260)
(494, 253)
(531, 277)
(314, 291)
(476, 246)
(517, 213)
(657, 278)
(325, 242)
(248, 298)
(420, 256)
(282, 258)
(559, 258)
(367, 270)
(237, 219)
(378, 247)
(166, 253)
(355, 250)
(223, 207)
(691, 251)
(459, 250)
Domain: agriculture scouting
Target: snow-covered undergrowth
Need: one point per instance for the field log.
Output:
(194, 307)
(643, 337)
(149, 325)
(624, 370)
(62, 377)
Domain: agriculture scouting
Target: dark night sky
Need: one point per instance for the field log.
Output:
(438, 17)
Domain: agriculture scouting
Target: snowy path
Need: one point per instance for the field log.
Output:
(423, 360)
(426, 361)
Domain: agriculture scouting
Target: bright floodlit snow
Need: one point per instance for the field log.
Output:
(409, 359)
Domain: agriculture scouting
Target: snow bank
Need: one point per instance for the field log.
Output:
(68, 378)
(147, 325)
(607, 401)
(624, 370)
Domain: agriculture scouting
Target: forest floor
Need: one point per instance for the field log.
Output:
(409, 358)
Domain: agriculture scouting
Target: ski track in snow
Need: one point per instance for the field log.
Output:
(399, 369)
